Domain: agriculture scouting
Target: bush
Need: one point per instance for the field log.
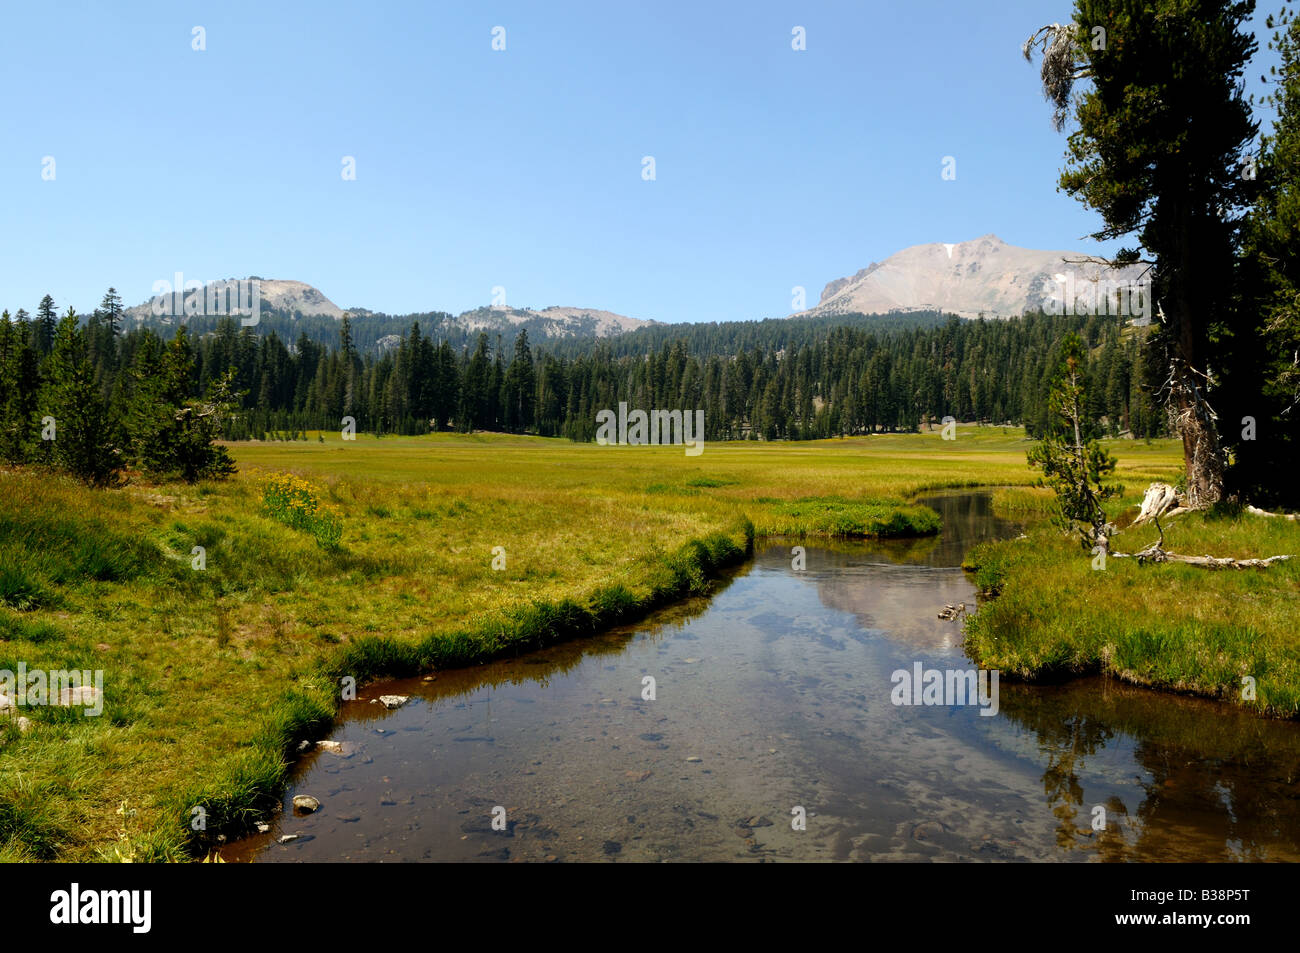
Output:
(297, 503)
(20, 591)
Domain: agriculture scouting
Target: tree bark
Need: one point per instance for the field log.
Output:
(1161, 500)
(1189, 374)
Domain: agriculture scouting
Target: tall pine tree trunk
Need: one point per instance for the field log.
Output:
(1190, 375)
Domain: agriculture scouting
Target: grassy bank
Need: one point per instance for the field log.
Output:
(1169, 626)
(213, 675)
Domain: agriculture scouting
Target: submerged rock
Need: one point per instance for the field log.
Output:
(930, 830)
(394, 701)
(305, 803)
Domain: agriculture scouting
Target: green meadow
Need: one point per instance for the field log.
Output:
(212, 676)
(1225, 633)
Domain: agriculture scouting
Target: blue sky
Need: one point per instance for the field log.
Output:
(519, 168)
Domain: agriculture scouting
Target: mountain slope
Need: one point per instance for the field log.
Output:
(983, 276)
(288, 297)
(554, 321)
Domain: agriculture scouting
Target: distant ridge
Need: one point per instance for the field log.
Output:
(299, 299)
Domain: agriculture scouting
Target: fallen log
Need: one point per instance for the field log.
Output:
(1258, 512)
(1161, 499)
(1155, 554)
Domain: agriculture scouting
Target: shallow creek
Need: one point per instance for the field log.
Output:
(774, 694)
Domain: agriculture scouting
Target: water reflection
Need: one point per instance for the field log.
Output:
(1208, 782)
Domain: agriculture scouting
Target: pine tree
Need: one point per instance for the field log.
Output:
(475, 396)
(446, 391)
(15, 424)
(520, 388)
(46, 323)
(84, 435)
(1268, 352)
(171, 434)
(496, 388)
(1073, 463)
(148, 413)
(351, 365)
(111, 311)
(1158, 152)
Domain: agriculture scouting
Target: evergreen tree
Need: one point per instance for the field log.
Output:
(496, 388)
(1073, 463)
(476, 402)
(112, 311)
(46, 322)
(84, 437)
(520, 388)
(1158, 152)
(1267, 353)
(446, 387)
(18, 383)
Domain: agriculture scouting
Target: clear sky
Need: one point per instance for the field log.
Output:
(520, 168)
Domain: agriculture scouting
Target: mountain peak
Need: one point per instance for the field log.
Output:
(291, 297)
(981, 276)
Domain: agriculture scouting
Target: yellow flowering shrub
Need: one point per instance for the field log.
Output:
(297, 502)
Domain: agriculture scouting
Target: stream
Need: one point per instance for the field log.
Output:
(773, 735)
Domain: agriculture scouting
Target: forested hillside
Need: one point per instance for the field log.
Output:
(769, 380)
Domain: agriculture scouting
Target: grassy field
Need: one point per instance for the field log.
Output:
(213, 676)
(1170, 626)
